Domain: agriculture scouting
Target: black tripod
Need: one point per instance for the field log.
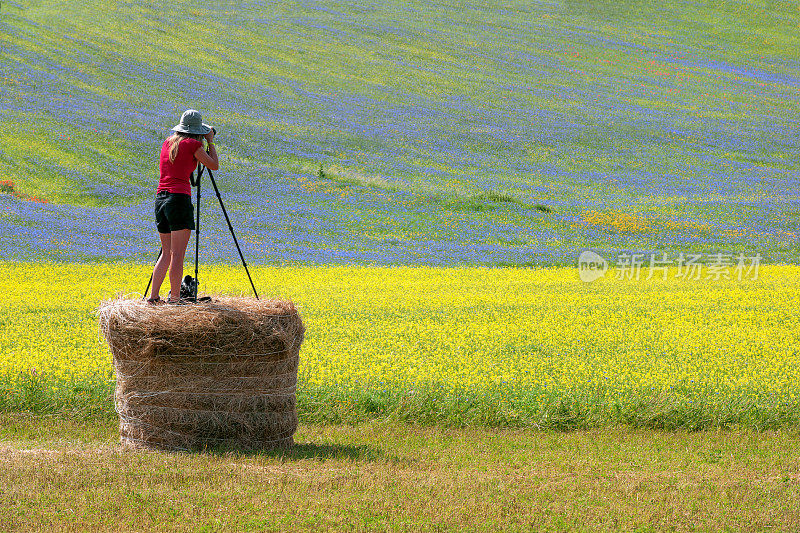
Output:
(190, 285)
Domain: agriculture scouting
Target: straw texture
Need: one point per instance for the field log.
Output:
(219, 374)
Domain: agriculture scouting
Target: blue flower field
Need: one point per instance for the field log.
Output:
(406, 132)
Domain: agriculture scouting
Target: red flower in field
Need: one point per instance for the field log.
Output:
(7, 186)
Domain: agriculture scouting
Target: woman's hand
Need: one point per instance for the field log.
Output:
(210, 136)
(209, 159)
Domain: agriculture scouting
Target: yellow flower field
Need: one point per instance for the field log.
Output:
(475, 339)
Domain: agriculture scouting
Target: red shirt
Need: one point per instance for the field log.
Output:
(175, 174)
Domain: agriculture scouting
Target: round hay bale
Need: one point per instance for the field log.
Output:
(219, 374)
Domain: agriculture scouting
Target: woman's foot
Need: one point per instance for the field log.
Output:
(175, 301)
(155, 301)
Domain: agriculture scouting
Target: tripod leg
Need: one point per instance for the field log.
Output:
(197, 233)
(160, 251)
(230, 227)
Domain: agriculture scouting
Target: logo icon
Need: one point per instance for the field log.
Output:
(591, 266)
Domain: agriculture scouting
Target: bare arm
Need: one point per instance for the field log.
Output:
(209, 159)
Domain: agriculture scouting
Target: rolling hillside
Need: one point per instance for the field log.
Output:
(407, 132)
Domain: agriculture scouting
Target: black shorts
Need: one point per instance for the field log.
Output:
(174, 211)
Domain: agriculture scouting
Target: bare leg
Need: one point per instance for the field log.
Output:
(160, 270)
(180, 239)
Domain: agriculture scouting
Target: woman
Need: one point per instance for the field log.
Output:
(174, 210)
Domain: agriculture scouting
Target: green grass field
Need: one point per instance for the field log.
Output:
(67, 476)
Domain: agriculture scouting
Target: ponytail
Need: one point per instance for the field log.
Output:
(175, 140)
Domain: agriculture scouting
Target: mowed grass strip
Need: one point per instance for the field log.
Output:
(59, 474)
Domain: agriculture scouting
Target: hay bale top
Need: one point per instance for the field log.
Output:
(225, 327)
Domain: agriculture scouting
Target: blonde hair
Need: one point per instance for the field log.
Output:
(175, 140)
